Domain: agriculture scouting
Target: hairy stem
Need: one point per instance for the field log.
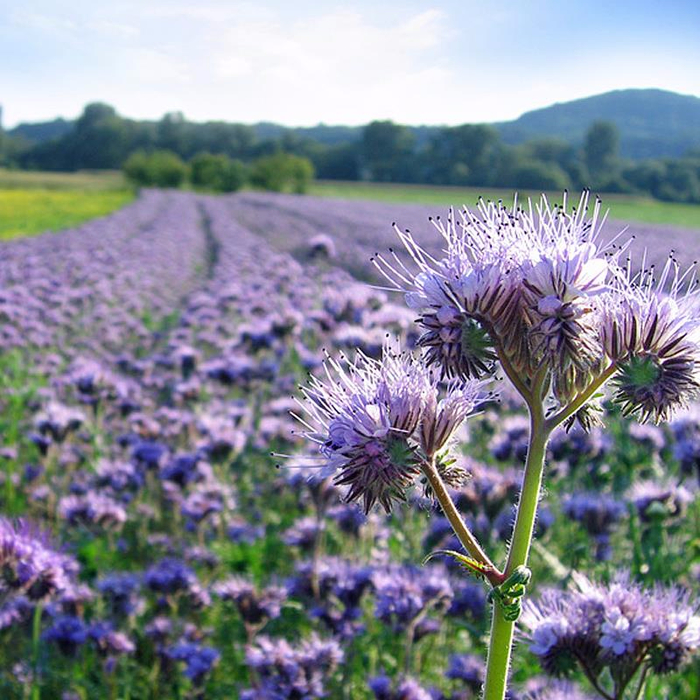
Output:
(465, 536)
(501, 629)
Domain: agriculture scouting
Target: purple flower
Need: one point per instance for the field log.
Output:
(403, 592)
(469, 669)
(169, 576)
(199, 659)
(598, 512)
(121, 592)
(294, 673)
(68, 633)
(108, 641)
(546, 689)
(29, 565)
(654, 499)
(348, 517)
(256, 608)
(406, 689)
(612, 627)
(303, 533)
(93, 508)
(655, 337)
(370, 417)
(57, 420)
(239, 530)
(363, 419)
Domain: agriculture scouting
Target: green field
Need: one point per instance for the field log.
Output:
(34, 202)
(86, 180)
(622, 207)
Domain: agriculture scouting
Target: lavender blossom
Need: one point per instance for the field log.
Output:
(199, 659)
(365, 420)
(612, 627)
(403, 592)
(30, 566)
(256, 608)
(293, 673)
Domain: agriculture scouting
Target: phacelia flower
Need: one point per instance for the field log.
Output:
(366, 418)
(654, 335)
(294, 673)
(528, 279)
(612, 627)
(29, 565)
(255, 607)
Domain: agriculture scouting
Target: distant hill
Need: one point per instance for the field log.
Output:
(43, 131)
(652, 123)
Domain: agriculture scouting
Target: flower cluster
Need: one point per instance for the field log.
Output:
(621, 627)
(534, 288)
(29, 565)
(376, 420)
(296, 673)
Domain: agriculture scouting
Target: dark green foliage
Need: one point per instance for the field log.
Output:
(282, 172)
(600, 148)
(159, 169)
(386, 152)
(532, 175)
(462, 155)
(217, 172)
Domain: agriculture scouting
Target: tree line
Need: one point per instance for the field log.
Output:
(382, 151)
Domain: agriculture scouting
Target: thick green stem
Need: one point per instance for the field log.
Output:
(465, 536)
(502, 630)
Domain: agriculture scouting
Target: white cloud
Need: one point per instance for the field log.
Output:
(154, 66)
(338, 66)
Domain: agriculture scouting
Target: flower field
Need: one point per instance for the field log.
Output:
(168, 531)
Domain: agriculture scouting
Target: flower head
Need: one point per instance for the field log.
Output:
(612, 627)
(30, 566)
(651, 327)
(521, 284)
(370, 418)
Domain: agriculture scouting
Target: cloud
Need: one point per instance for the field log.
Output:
(329, 65)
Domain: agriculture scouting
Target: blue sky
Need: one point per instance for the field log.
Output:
(302, 62)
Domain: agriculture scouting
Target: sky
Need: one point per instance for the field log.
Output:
(303, 63)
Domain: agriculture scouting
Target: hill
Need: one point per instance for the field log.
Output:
(652, 123)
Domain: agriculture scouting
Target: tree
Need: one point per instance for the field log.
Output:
(217, 172)
(600, 148)
(386, 151)
(462, 155)
(282, 172)
(159, 169)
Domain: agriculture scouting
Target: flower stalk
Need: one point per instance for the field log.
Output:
(501, 641)
(468, 541)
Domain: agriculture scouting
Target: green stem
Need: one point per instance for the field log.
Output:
(36, 643)
(468, 540)
(559, 417)
(501, 630)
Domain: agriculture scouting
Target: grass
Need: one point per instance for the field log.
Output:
(622, 207)
(34, 202)
(25, 212)
(85, 180)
